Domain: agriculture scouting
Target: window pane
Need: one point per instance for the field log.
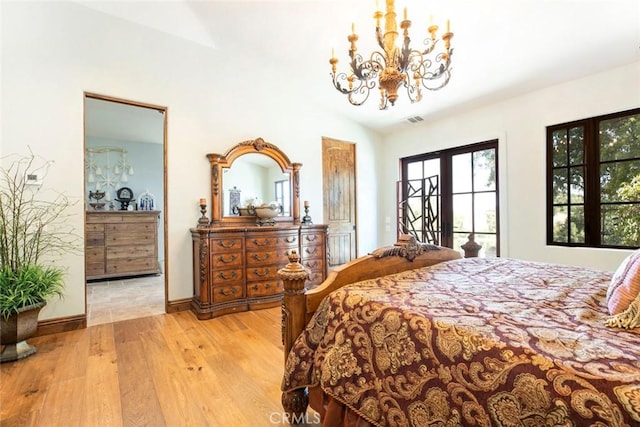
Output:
(620, 224)
(462, 213)
(485, 212)
(414, 170)
(484, 176)
(559, 148)
(577, 184)
(431, 168)
(461, 179)
(619, 181)
(576, 146)
(577, 224)
(489, 245)
(560, 224)
(560, 188)
(619, 138)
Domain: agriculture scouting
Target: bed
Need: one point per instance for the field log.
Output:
(415, 335)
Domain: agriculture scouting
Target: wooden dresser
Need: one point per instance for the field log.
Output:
(235, 268)
(121, 243)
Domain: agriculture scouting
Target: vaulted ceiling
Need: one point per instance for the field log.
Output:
(502, 48)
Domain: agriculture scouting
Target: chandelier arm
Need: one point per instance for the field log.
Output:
(441, 74)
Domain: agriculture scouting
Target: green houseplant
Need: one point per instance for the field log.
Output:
(34, 233)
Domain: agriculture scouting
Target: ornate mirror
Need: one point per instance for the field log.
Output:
(254, 174)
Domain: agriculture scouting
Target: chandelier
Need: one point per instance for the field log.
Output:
(395, 66)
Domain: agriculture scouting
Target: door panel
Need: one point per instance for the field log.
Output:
(339, 201)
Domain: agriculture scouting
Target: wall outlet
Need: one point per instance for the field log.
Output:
(33, 179)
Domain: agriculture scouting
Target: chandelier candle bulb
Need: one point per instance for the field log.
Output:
(405, 13)
(448, 31)
(353, 28)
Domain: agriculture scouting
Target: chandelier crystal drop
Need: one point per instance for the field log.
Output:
(395, 66)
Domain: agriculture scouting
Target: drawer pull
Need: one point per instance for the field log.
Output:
(311, 251)
(226, 245)
(312, 264)
(232, 291)
(265, 242)
(261, 273)
(222, 276)
(257, 257)
(290, 239)
(311, 238)
(222, 259)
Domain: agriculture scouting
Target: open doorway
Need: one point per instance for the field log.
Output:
(125, 220)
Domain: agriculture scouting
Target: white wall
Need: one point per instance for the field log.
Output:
(54, 51)
(520, 125)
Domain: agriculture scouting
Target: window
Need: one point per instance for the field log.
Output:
(593, 182)
(444, 196)
(282, 195)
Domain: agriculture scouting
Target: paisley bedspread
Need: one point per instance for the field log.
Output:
(482, 342)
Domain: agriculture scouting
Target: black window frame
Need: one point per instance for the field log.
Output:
(592, 190)
(445, 192)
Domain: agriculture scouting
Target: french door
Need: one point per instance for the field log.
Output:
(444, 196)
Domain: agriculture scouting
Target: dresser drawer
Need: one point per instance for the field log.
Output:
(309, 252)
(315, 278)
(96, 254)
(130, 239)
(227, 293)
(94, 228)
(94, 239)
(94, 268)
(139, 228)
(132, 265)
(226, 244)
(264, 288)
(226, 276)
(226, 260)
(312, 238)
(267, 241)
(134, 251)
(316, 264)
(263, 272)
(276, 256)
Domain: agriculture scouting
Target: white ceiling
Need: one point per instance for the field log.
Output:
(502, 48)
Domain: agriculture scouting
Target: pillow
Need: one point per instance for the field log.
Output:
(625, 284)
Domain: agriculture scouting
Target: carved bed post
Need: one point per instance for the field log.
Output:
(293, 277)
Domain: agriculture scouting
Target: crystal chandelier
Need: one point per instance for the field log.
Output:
(395, 66)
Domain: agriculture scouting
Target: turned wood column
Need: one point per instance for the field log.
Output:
(293, 277)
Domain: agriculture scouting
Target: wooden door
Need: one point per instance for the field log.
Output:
(339, 201)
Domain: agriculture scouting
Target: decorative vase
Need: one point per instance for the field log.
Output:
(15, 330)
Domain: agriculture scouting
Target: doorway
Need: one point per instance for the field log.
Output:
(125, 146)
(339, 204)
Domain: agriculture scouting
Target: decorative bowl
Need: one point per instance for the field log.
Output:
(266, 211)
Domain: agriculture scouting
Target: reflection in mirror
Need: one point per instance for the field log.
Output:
(255, 179)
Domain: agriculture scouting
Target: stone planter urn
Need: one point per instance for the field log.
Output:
(15, 330)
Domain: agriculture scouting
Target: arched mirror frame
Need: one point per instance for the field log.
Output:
(260, 146)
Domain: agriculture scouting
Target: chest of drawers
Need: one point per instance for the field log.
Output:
(119, 243)
(236, 268)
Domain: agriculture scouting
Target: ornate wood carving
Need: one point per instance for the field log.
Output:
(407, 246)
(258, 145)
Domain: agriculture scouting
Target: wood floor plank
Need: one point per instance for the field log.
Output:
(102, 384)
(170, 369)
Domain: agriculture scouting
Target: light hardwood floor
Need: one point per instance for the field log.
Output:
(163, 370)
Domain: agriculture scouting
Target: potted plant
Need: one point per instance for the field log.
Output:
(33, 233)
